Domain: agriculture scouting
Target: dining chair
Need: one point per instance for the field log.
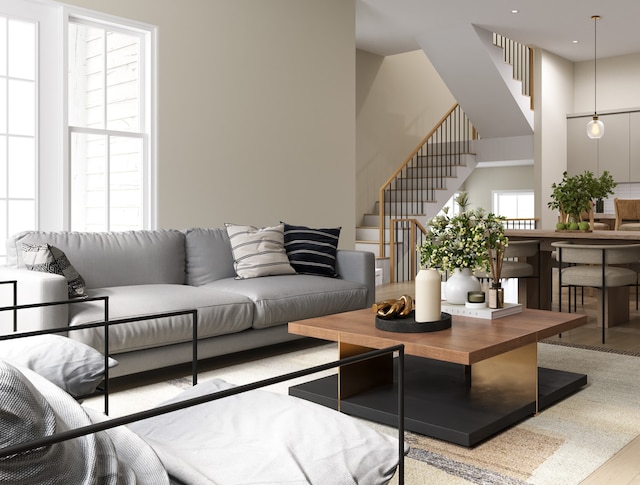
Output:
(627, 210)
(601, 266)
(515, 265)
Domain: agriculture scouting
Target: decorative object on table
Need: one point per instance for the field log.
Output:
(601, 188)
(394, 308)
(409, 324)
(496, 295)
(476, 299)
(460, 244)
(573, 197)
(459, 284)
(484, 313)
(428, 296)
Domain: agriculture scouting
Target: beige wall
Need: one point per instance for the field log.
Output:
(554, 99)
(483, 181)
(256, 110)
(399, 100)
(618, 83)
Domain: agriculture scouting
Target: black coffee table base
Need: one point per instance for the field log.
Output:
(439, 404)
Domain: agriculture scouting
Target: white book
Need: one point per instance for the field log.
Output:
(486, 313)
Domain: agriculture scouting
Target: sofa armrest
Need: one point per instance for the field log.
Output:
(33, 287)
(359, 267)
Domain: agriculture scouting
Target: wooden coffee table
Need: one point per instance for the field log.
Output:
(462, 384)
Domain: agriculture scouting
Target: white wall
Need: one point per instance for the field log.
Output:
(399, 99)
(553, 100)
(618, 84)
(256, 110)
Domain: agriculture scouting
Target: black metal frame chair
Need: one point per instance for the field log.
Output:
(598, 266)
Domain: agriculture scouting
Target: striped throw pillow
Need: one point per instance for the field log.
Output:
(50, 259)
(312, 251)
(258, 251)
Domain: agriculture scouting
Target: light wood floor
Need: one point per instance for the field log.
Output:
(624, 467)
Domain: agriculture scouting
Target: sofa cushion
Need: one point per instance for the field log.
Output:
(209, 256)
(219, 313)
(106, 259)
(312, 251)
(70, 365)
(286, 298)
(258, 251)
(49, 259)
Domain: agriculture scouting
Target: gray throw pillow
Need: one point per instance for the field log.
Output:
(258, 252)
(71, 365)
(49, 259)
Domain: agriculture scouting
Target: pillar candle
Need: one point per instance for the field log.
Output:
(427, 302)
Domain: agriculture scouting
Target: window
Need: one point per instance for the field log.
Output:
(18, 125)
(515, 204)
(108, 127)
(84, 160)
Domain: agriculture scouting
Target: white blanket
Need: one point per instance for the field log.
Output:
(260, 437)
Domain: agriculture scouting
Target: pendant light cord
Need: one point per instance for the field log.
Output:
(595, 64)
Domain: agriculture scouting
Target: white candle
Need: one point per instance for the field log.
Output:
(427, 302)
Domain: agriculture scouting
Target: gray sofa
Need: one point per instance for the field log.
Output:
(148, 272)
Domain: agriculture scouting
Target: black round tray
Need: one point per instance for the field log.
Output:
(408, 324)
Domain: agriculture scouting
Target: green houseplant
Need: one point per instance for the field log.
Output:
(472, 239)
(601, 188)
(574, 195)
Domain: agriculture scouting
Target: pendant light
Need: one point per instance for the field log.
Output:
(595, 127)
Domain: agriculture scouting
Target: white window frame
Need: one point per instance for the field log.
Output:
(148, 112)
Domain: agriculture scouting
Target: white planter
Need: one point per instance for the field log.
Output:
(459, 284)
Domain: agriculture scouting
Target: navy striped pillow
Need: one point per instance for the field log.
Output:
(312, 251)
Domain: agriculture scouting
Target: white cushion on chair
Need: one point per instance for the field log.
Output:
(592, 276)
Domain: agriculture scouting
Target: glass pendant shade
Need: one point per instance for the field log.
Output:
(595, 128)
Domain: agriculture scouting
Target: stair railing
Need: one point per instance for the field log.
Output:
(425, 170)
(520, 57)
(404, 237)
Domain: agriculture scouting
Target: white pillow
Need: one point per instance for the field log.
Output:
(258, 252)
(71, 365)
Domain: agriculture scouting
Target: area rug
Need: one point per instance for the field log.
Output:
(562, 444)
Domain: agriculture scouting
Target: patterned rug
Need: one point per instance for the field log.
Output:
(562, 444)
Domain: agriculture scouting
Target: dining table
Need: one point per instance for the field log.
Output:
(617, 299)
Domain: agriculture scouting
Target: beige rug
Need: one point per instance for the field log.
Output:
(561, 445)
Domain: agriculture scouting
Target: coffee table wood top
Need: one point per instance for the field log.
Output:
(469, 340)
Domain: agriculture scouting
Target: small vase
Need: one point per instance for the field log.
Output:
(459, 284)
(496, 296)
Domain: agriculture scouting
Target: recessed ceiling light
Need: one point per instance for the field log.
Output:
(574, 41)
(515, 11)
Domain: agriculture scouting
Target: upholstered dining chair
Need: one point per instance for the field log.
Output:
(515, 265)
(601, 266)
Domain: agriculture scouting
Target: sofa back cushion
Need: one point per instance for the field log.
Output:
(107, 259)
(209, 256)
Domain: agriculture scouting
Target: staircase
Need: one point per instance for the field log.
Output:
(419, 189)
(444, 158)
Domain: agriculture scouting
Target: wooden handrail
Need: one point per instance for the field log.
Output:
(450, 117)
(414, 224)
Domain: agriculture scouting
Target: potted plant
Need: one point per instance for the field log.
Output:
(574, 196)
(471, 240)
(601, 188)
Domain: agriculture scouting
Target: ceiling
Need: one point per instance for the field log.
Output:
(387, 27)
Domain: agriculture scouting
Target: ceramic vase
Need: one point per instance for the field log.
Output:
(427, 295)
(459, 284)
